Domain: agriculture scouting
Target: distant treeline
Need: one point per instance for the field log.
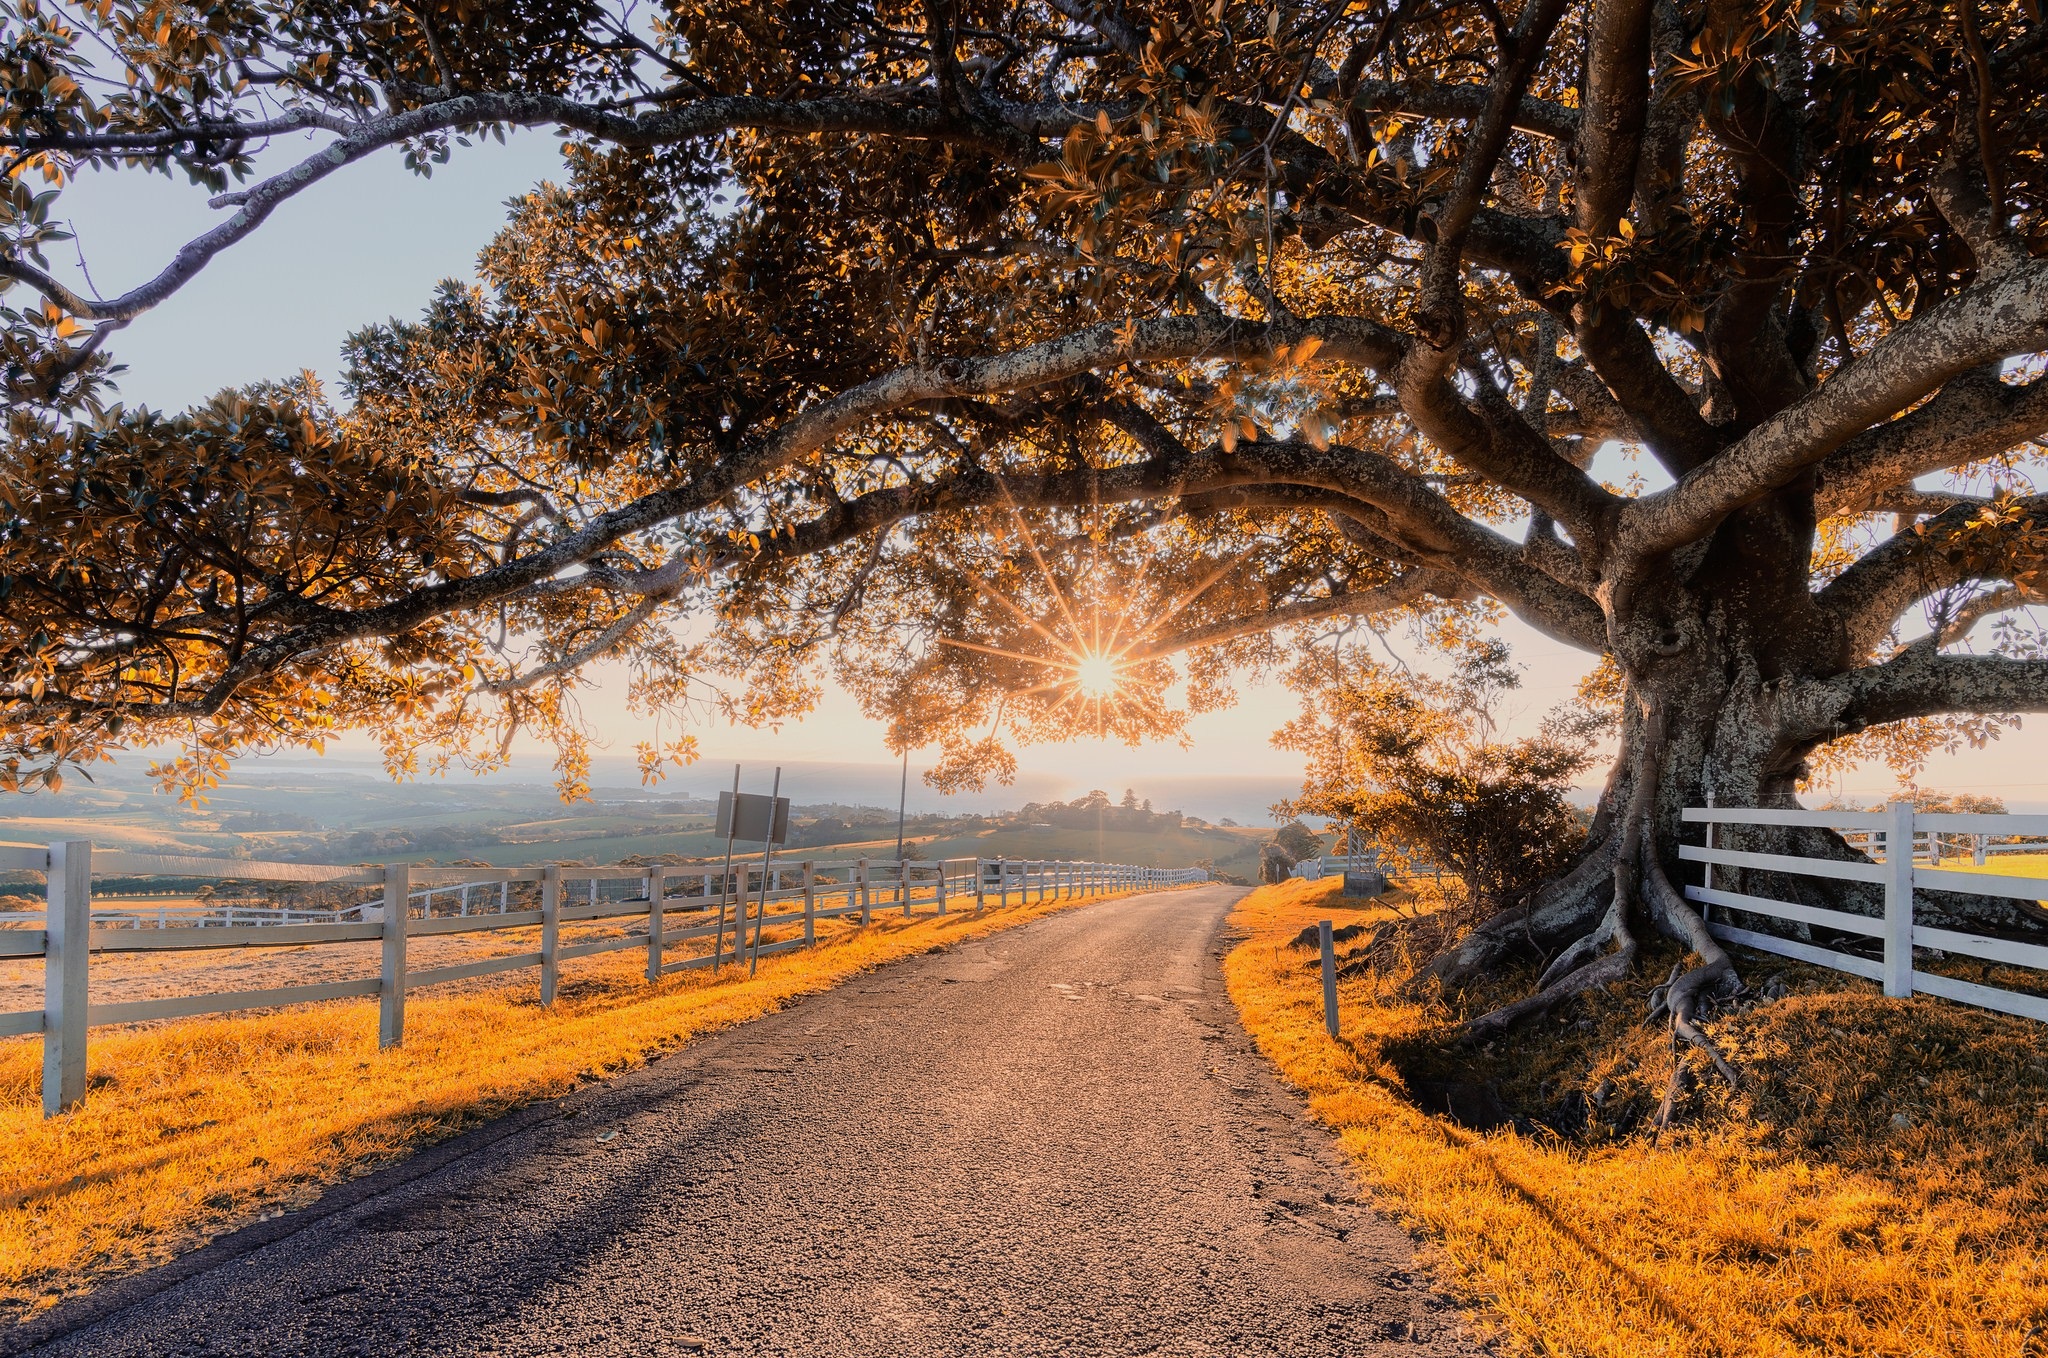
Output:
(1085, 813)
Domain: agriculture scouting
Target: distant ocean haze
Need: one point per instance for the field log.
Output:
(344, 792)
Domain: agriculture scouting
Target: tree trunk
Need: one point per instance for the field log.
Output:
(1718, 675)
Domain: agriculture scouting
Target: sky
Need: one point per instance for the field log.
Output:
(372, 241)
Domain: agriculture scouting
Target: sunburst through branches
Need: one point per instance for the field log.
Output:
(1102, 640)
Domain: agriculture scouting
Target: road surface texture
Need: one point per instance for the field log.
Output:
(1055, 1140)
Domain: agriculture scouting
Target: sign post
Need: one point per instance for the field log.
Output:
(776, 803)
(725, 883)
(761, 820)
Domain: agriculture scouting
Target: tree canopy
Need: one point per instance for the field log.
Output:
(1015, 361)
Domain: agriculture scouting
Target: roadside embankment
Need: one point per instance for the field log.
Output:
(1879, 1186)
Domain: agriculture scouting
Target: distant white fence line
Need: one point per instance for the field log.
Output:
(784, 897)
(1930, 836)
(1336, 865)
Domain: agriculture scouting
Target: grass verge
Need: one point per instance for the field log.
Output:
(1877, 1188)
(192, 1129)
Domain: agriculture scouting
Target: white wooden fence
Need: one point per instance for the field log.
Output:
(1899, 875)
(679, 904)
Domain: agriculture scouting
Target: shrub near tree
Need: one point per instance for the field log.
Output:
(993, 357)
(1299, 841)
(1415, 763)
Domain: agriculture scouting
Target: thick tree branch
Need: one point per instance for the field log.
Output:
(1919, 682)
(1403, 590)
(1992, 602)
(1617, 103)
(1544, 117)
(1974, 416)
(1422, 525)
(1871, 595)
(1015, 136)
(1992, 319)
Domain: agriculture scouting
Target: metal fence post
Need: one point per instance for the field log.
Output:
(657, 887)
(391, 981)
(1898, 899)
(1329, 976)
(550, 931)
(67, 936)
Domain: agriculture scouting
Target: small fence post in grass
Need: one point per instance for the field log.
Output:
(657, 887)
(1003, 883)
(860, 873)
(391, 976)
(942, 886)
(67, 925)
(980, 877)
(1329, 976)
(1898, 899)
(903, 879)
(550, 931)
(810, 902)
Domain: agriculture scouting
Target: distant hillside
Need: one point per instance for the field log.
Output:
(353, 819)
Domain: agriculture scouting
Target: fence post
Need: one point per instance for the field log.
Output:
(860, 875)
(903, 883)
(1003, 883)
(980, 882)
(657, 887)
(942, 886)
(550, 931)
(391, 978)
(1898, 899)
(67, 936)
(1329, 976)
(810, 902)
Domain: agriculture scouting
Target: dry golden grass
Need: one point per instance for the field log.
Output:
(194, 1128)
(2004, 864)
(1797, 1217)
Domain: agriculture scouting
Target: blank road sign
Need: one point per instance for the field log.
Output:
(753, 817)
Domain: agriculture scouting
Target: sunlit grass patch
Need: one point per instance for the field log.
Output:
(2002, 864)
(193, 1128)
(1878, 1188)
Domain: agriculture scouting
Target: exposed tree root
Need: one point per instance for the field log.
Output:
(1565, 908)
(1715, 975)
(1638, 875)
(1593, 975)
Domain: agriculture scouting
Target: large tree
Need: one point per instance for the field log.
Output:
(998, 354)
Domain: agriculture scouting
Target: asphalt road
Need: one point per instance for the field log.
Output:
(1054, 1141)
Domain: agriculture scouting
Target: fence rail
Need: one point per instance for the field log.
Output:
(1925, 838)
(755, 909)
